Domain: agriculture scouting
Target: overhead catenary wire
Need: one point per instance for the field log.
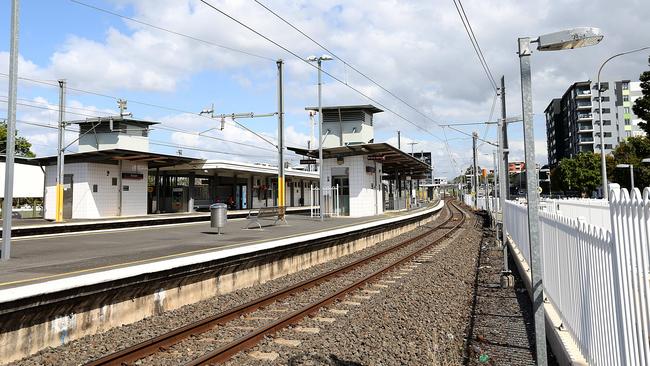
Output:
(167, 30)
(477, 48)
(159, 127)
(147, 104)
(316, 67)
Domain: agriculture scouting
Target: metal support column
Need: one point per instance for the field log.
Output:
(533, 200)
(7, 204)
(281, 184)
(474, 171)
(60, 163)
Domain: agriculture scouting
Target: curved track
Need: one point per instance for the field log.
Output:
(161, 343)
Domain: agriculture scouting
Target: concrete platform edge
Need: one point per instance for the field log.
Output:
(562, 344)
(67, 283)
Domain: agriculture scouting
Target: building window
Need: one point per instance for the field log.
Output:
(95, 188)
(607, 122)
(626, 98)
(625, 86)
(627, 121)
(114, 181)
(608, 146)
(608, 134)
(626, 110)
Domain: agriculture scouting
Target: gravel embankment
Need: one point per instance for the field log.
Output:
(419, 319)
(91, 347)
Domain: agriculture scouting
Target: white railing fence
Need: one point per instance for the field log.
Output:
(489, 204)
(331, 201)
(596, 279)
(595, 211)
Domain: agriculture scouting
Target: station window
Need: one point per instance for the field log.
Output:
(114, 181)
(94, 188)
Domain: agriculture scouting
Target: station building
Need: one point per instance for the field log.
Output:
(114, 174)
(371, 177)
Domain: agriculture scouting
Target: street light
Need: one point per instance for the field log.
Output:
(568, 39)
(603, 164)
(631, 167)
(321, 196)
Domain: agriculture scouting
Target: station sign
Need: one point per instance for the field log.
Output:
(133, 176)
(307, 161)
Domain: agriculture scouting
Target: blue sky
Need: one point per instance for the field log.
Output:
(416, 49)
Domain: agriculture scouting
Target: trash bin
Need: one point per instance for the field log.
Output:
(218, 216)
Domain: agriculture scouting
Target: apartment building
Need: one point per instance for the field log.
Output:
(572, 122)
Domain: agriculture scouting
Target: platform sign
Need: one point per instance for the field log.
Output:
(307, 161)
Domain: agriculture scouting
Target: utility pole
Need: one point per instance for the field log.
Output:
(58, 216)
(503, 145)
(281, 187)
(7, 204)
(475, 172)
(321, 171)
(399, 140)
(504, 183)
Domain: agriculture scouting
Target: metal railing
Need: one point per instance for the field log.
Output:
(597, 279)
(330, 206)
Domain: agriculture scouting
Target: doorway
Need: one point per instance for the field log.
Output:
(343, 183)
(241, 196)
(67, 195)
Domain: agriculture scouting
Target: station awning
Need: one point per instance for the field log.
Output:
(114, 156)
(393, 159)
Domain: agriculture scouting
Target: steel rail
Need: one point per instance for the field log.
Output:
(165, 340)
(224, 353)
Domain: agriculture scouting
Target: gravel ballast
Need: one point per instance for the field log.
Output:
(417, 315)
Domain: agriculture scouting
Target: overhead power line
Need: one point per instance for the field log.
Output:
(472, 38)
(316, 67)
(163, 29)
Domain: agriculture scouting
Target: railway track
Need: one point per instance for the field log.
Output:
(292, 312)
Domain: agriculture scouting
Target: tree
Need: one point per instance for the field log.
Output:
(631, 151)
(23, 147)
(580, 173)
(641, 106)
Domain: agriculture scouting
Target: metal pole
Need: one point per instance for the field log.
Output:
(631, 178)
(60, 163)
(399, 140)
(504, 141)
(320, 146)
(533, 200)
(475, 171)
(281, 185)
(603, 163)
(7, 204)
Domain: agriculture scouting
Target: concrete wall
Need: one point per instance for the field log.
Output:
(105, 202)
(365, 188)
(28, 331)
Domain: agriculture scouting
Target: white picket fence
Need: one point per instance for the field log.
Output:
(597, 279)
(595, 211)
(482, 203)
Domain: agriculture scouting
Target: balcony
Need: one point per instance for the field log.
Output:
(585, 128)
(584, 93)
(581, 106)
(585, 140)
(585, 116)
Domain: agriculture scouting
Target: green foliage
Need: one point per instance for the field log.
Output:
(23, 147)
(580, 173)
(641, 106)
(630, 151)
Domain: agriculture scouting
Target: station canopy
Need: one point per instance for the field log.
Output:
(114, 156)
(393, 159)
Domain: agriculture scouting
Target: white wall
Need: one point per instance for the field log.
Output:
(365, 193)
(134, 201)
(28, 181)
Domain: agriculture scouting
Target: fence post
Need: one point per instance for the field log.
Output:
(617, 265)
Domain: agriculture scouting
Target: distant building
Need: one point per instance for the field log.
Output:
(516, 167)
(440, 181)
(572, 121)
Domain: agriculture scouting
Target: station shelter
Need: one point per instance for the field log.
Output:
(194, 186)
(370, 177)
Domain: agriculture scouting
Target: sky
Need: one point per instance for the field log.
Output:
(416, 50)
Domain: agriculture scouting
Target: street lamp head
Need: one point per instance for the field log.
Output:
(326, 58)
(312, 58)
(646, 161)
(569, 39)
